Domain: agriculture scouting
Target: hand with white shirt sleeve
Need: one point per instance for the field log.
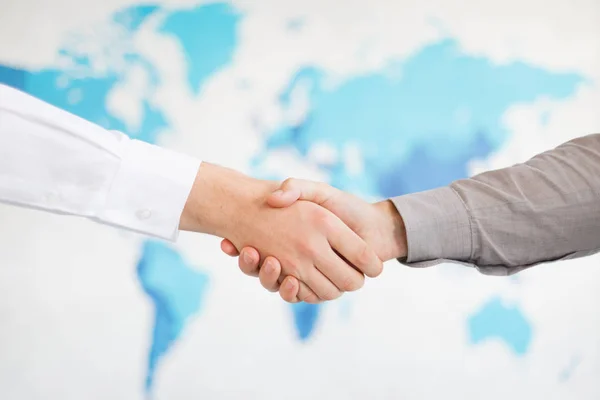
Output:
(54, 161)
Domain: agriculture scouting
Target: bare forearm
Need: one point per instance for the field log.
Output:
(218, 199)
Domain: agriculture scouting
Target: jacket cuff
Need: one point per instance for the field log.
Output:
(437, 226)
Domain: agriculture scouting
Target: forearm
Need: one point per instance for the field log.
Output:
(505, 220)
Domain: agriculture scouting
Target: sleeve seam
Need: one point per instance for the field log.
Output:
(123, 154)
(470, 218)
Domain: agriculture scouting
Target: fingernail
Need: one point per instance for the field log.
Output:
(269, 266)
(278, 192)
(247, 258)
(289, 285)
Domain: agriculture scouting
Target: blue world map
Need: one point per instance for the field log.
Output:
(418, 124)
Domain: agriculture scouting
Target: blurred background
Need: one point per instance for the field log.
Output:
(379, 98)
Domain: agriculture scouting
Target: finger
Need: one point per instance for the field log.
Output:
(249, 261)
(288, 290)
(342, 275)
(318, 283)
(269, 274)
(306, 294)
(293, 189)
(352, 248)
(228, 248)
(294, 291)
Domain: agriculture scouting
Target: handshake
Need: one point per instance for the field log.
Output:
(307, 240)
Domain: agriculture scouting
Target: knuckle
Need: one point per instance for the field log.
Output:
(305, 246)
(365, 255)
(288, 183)
(292, 268)
(323, 187)
(350, 284)
(308, 297)
(323, 219)
(366, 258)
(287, 295)
(313, 299)
(325, 192)
(331, 295)
(377, 268)
(309, 247)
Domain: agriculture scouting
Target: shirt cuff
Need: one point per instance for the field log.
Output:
(437, 227)
(150, 189)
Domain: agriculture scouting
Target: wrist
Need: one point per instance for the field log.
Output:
(393, 231)
(219, 198)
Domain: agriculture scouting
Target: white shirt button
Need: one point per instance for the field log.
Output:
(143, 214)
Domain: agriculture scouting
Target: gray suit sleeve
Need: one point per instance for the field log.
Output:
(504, 221)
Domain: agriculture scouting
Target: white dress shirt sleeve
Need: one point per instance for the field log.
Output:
(55, 161)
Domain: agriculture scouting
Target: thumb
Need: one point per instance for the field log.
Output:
(283, 197)
(292, 190)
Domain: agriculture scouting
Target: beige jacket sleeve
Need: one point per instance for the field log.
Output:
(506, 220)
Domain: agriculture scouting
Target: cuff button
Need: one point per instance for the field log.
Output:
(143, 214)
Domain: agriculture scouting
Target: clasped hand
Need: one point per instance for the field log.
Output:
(336, 239)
